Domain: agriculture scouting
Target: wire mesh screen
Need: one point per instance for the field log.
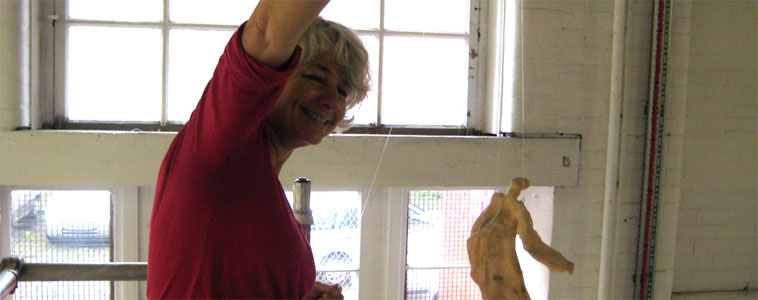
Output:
(439, 223)
(335, 238)
(61, 227)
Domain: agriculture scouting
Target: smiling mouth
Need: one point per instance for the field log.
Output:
(314, 116)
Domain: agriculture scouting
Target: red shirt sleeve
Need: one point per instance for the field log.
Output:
(235, 103)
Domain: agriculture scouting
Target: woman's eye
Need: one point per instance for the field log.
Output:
(314, 78)
(342, 93)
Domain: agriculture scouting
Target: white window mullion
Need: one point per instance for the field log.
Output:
(379, 85)
(59, 61)
(164, 94)
(397, 225)
(126, 236)
(374, 231)
(476, 111)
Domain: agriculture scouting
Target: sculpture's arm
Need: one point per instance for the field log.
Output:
(533, 244)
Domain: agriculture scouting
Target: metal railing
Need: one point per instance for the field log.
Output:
(14, 270)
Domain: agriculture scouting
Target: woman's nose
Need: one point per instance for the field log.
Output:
(331, 100)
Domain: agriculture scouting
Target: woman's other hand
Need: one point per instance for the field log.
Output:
(325, 291)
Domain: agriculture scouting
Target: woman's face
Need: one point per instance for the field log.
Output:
(311, 105)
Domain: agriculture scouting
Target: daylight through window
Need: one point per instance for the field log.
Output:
(133, 62)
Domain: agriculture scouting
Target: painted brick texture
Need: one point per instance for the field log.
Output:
(716, 244)
(566, 88)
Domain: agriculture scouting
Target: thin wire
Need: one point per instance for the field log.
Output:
(376, 171)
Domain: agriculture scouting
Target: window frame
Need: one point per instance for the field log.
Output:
(53, 63)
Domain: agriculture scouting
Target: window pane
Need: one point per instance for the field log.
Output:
(366, 111)
(439, 223)
(61, 227)
(227, 12)
(335, 238)
(425, 81)
(192, 57)
(450, 16)
(356, 14)
(116, 10)
(113, 74)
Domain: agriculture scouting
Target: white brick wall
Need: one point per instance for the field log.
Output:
(707, 223)
(567, 55)
(716, 245)
(675, 99)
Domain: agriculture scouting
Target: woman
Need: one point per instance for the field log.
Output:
(221, 225)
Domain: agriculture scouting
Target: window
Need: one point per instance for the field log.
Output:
(439, 224)
(335, 238)
(61, 227)
(129, 61)
(138, 62)
(420, 59)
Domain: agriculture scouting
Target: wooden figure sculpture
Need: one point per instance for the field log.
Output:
(492, 246)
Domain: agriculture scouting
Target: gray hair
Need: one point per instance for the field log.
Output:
(349, 54)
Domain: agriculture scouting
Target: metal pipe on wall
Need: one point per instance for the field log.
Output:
(610, 201)
(15, 64)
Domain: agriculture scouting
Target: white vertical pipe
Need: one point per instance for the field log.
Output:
(610, 201)
(494, 87)
(14, 63)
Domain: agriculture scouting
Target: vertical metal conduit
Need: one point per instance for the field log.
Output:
(654, 149)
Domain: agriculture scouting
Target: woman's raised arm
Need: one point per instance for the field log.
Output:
(275, 27)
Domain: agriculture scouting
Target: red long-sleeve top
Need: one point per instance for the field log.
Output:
(221, 227)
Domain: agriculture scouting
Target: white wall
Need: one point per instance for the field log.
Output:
(14, 64)
(716, 245)
(567, 57)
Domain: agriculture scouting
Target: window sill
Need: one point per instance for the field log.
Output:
(126, 158)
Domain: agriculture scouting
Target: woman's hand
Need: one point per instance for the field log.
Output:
(324, 291)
